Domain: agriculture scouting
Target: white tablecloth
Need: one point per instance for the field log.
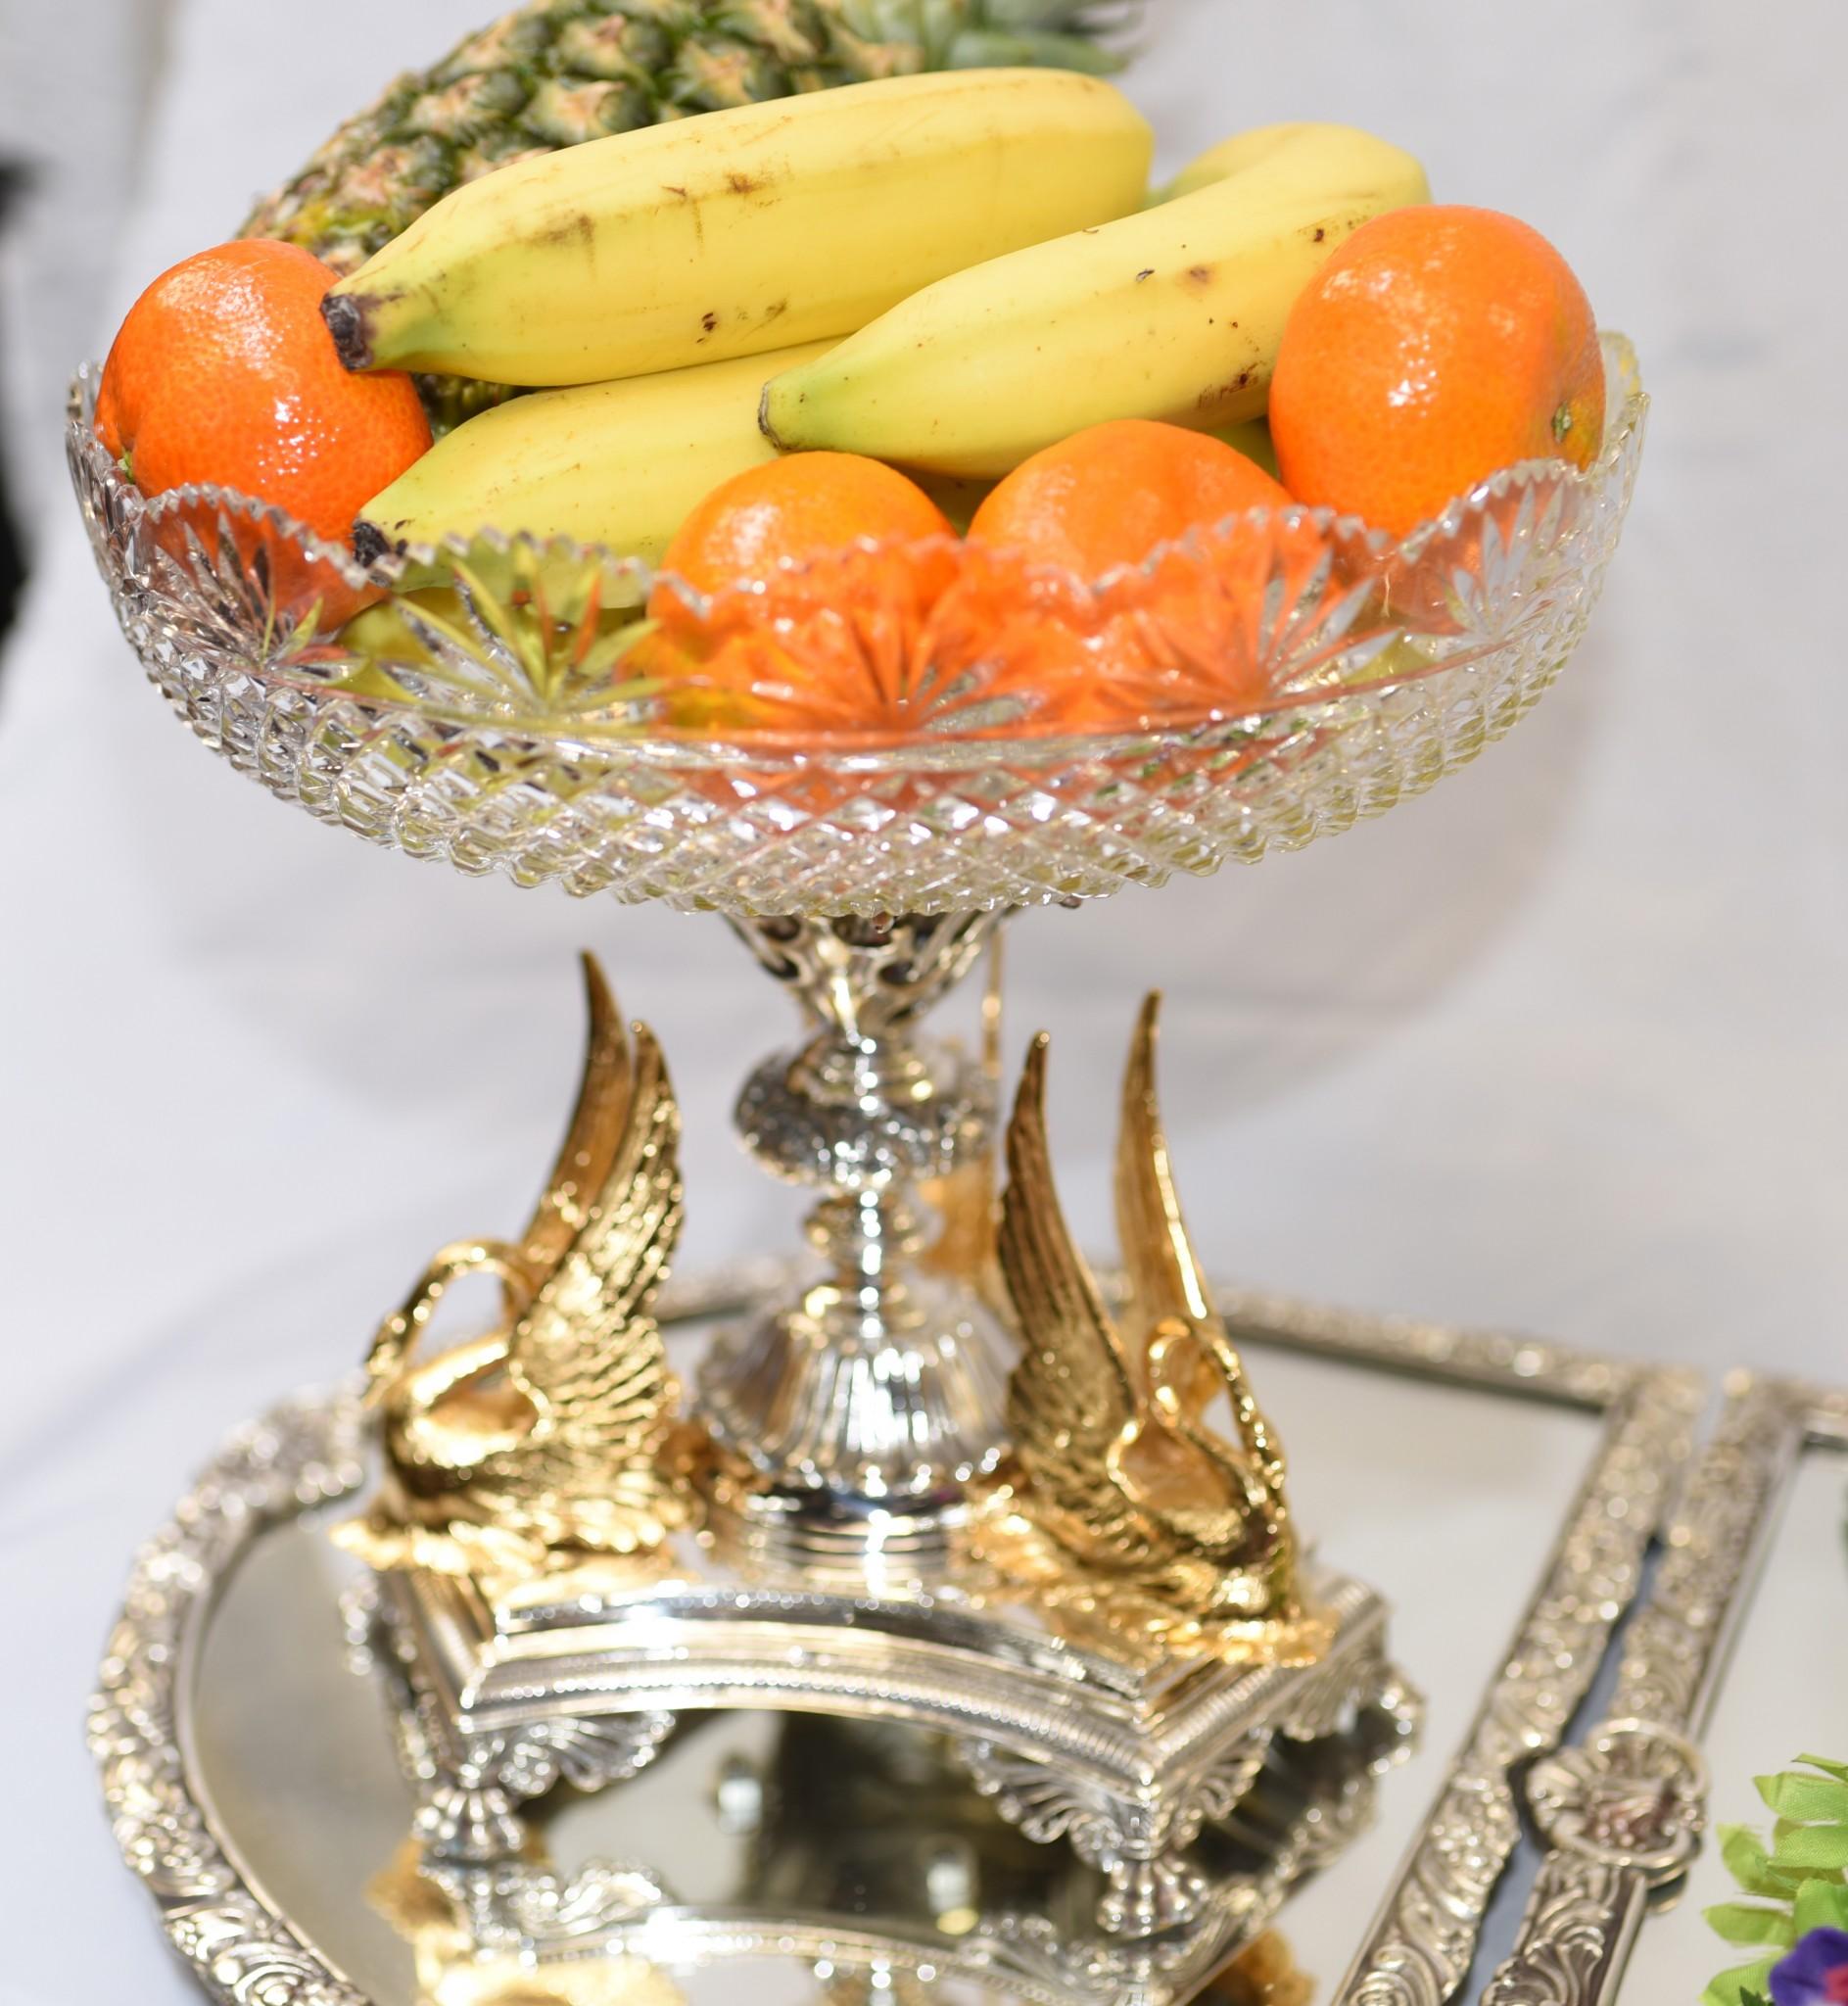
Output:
(1561, 1046)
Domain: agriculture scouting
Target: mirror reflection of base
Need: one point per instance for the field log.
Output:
(1119, 1766)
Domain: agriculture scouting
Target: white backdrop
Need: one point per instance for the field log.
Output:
(1561, 1046)
(77, 83)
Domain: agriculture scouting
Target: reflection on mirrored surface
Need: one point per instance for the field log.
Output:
(841, 1854)
(1785, 1691)
(1448, 1499)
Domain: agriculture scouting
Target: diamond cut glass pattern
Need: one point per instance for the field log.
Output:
(1288, 677)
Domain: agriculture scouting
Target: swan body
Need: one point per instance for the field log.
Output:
(1121, 1502)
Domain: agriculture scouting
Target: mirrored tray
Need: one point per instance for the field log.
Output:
(1489, 1485)
(1737, 1665)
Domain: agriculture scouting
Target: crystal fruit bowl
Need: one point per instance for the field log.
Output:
(1274, 679)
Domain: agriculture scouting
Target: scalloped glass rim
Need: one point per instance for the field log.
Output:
(869, 751)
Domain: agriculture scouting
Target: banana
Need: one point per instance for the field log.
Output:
(1174, 313)
(1253, 439)
(620, 463)
(741, 230)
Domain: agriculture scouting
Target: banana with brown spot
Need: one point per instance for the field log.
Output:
(742, 230)
(1175, 312)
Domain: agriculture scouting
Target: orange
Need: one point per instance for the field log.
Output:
(1437, 346)
(224, 372)
(1109, 494)
(821, 571)
(1160, 639)
(790, 510)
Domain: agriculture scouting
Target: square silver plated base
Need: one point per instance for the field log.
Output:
(582, 1679)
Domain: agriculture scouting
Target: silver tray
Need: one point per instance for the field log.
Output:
(1487, 1484)
(1738, 1664)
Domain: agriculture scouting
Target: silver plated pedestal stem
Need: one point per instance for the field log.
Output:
(858, 1412)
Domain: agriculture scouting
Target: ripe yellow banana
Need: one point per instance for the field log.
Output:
(740, 230)
(621, 465)
(1175, 312)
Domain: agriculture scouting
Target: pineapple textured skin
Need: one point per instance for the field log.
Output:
(555, 72)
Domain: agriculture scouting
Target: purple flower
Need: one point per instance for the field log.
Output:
(1815, 1973)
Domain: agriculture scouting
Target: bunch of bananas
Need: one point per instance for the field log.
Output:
(948, 271)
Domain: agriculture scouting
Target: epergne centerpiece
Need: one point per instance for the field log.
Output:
(850, 1434)
(859, 599)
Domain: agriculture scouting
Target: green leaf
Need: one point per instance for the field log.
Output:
(1838, 1770)
(1740, 1922)
(1808, 1800)
(1747, 1861)
(1813, 1848)
(1822, 1905)
(1739, 1987)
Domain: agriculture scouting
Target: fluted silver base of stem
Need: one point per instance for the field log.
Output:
(860, 1441)
(850, 1421)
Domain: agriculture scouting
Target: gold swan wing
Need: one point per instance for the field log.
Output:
(1165, 1277)
(1071, 1398)
(594, 1136)
(1165, 1281)
(1166, 1284)
(588, 1351)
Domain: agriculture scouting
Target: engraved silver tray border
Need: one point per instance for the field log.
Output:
(1589, 1899)
(310, 1450)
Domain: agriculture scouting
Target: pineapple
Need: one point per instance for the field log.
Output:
(557, 72)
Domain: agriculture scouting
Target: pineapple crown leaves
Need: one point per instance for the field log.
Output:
(974, 34)
(1798, 1883)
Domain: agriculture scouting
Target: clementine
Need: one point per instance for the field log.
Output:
(806, 627)
(789, 509)
(1435, 346)
(224, 373)
(1109, 494)
(1164, 636)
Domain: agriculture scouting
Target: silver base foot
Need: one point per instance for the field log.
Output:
(1140, 1839)
(470, 1784)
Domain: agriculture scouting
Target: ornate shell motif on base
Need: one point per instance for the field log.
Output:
(1141, 1528)
(552, 1438)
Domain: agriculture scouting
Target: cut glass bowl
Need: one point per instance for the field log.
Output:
(1288, 677)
